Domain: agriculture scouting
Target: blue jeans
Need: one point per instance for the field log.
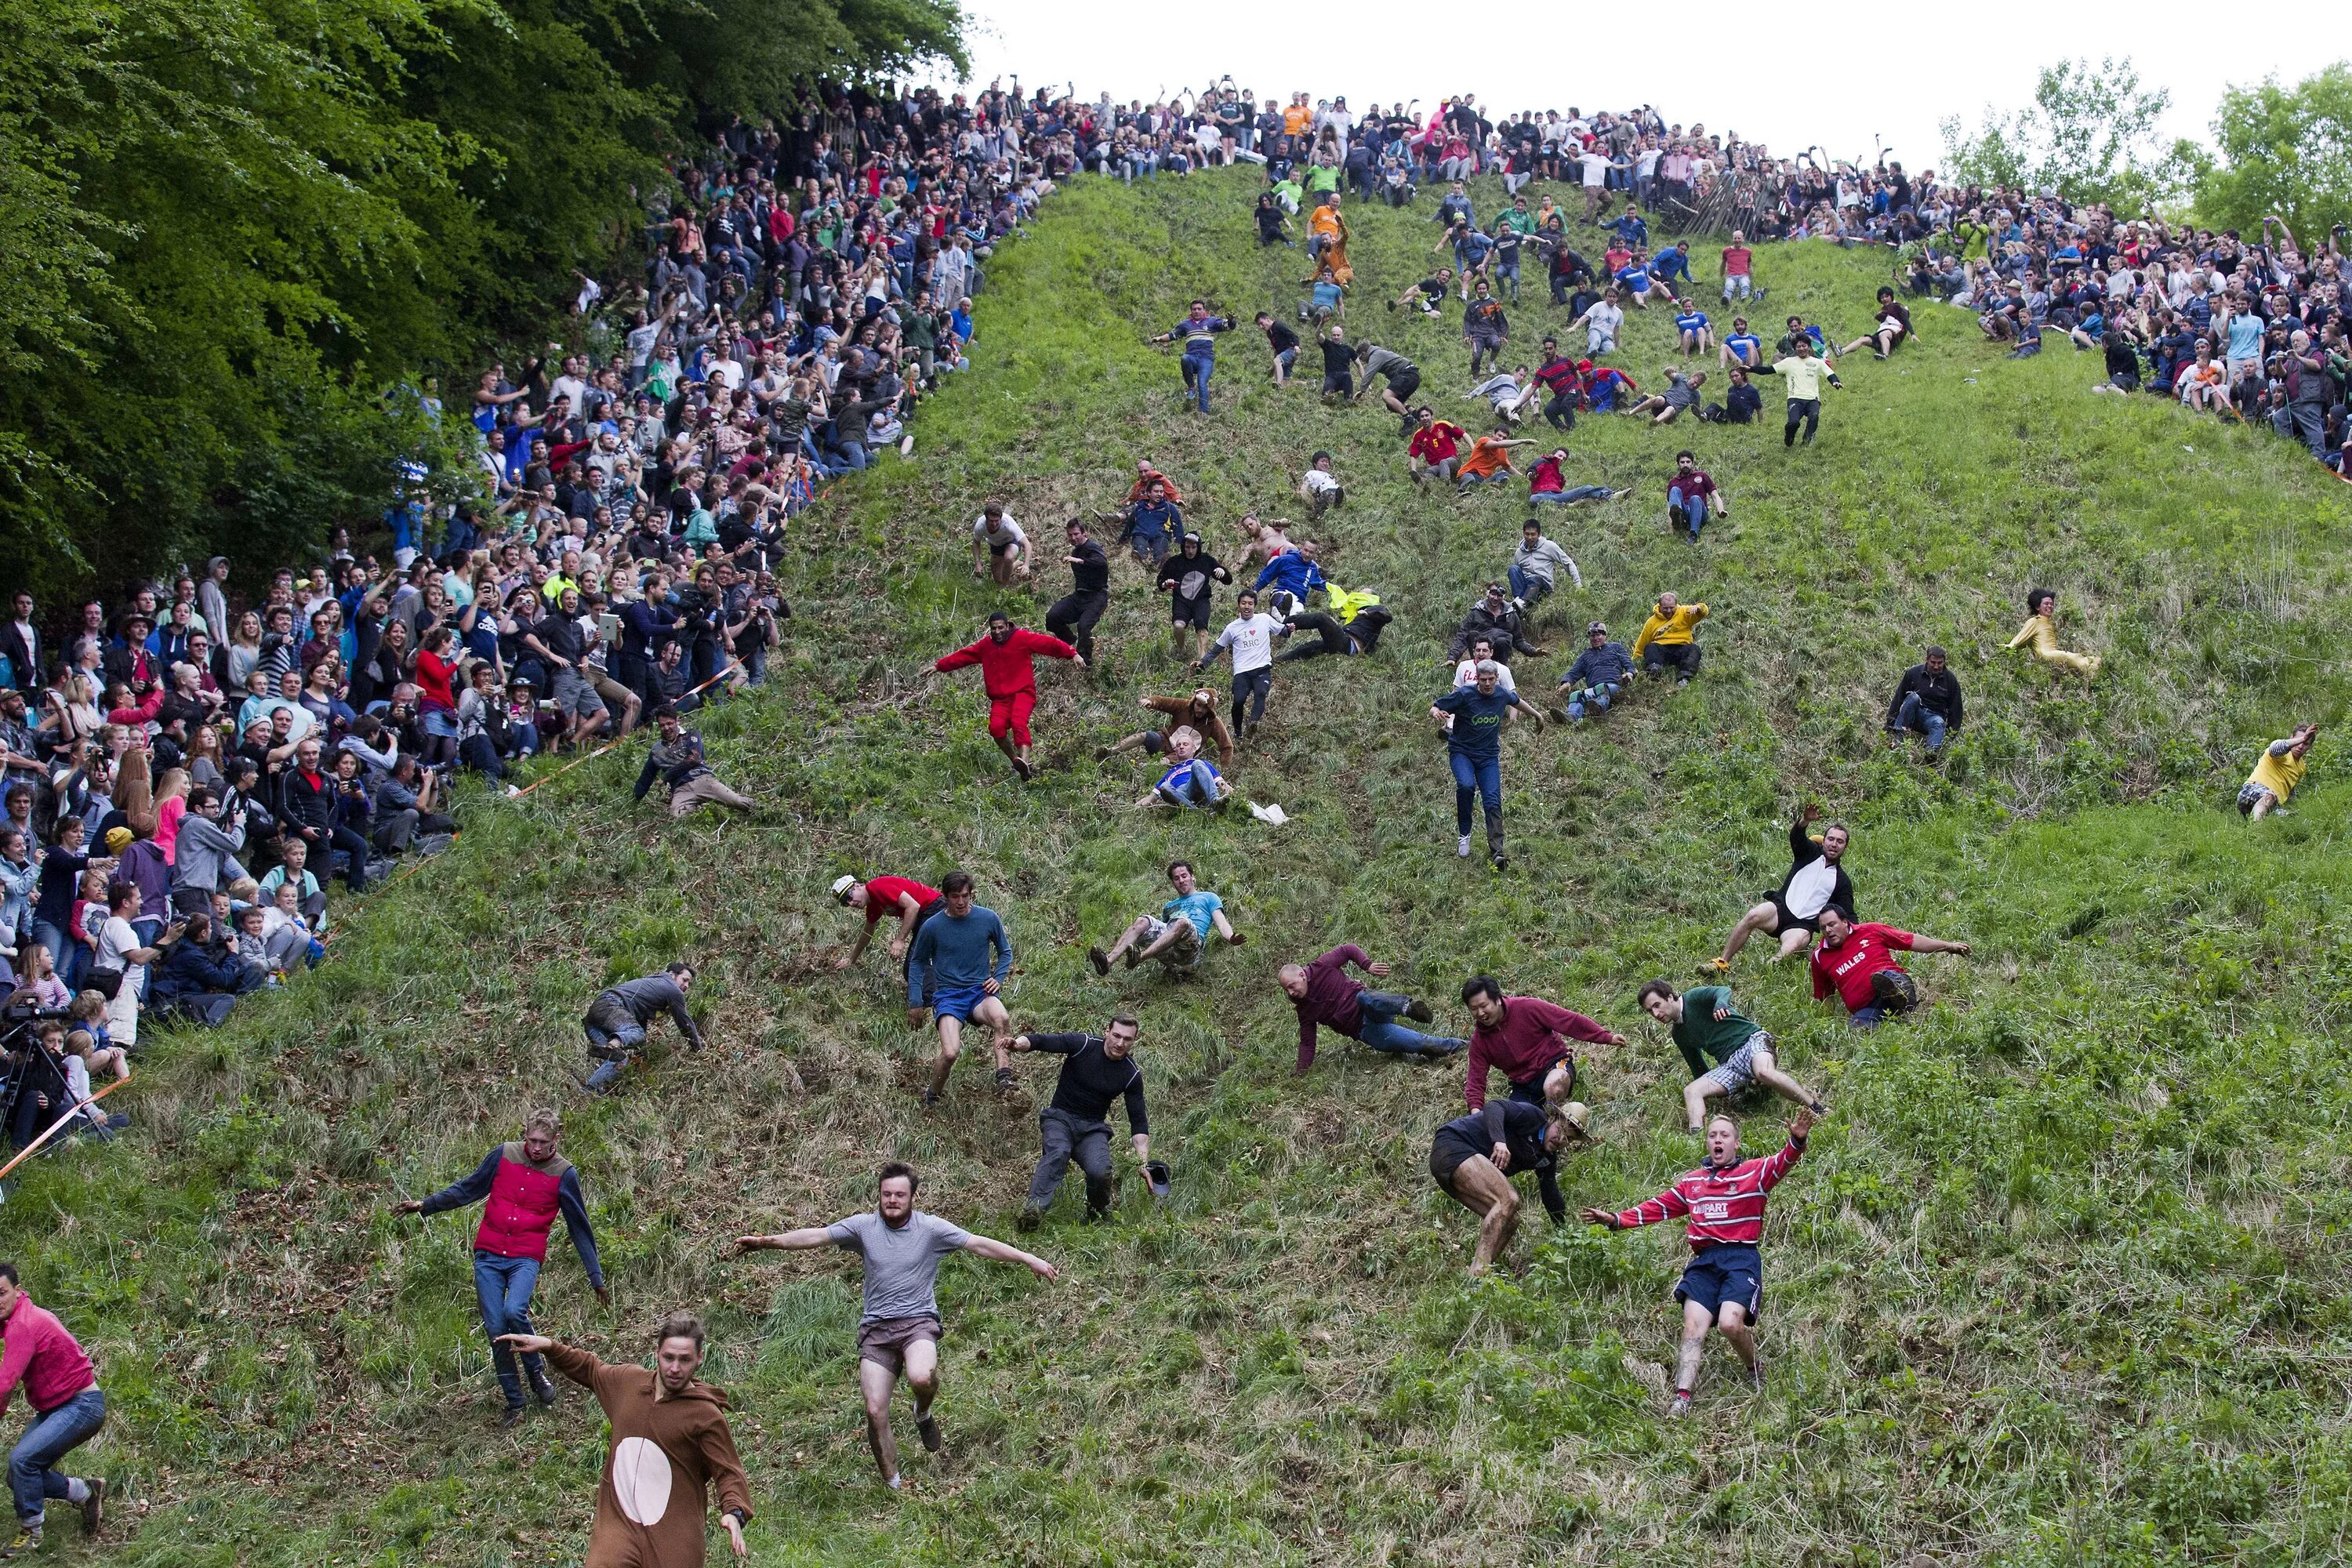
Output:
(504, 1285)
(1914, 715)
(1196, 376)
(1573, 493)
(1196, 785)
(1384, 1033)
(629, 1037)
(1531, 591)
(1596, 697)
(1691, 509)
(71, 956)
(1482, 779)
(31, 1473)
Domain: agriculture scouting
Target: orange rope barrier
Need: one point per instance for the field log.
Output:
(29, 1149)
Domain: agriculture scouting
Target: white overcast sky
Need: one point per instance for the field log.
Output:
(1863, 73)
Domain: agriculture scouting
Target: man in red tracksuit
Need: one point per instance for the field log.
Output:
(521, 1187)
(1010, 677)
(1724, 1283)
(1520, 1036)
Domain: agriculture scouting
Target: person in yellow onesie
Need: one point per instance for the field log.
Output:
(2041, 629)
(670, 1443)
(1668, 638)
(2276, 773)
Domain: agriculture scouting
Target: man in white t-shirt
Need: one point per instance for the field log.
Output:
(999, 550)
(119, 950)
(1817, 879)
(1251, 636)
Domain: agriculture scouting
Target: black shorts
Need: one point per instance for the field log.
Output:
(1192, 612)
(1446, 1152)
(1789, 919)
(1340, 382)
(1406, 385)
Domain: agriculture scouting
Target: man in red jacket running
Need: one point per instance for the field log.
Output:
(67, 1410)
(1010, 677)
(1520, 1036)
(1724, 1283)
(521, 1187)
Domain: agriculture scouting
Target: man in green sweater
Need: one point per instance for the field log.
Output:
(1706, 1029)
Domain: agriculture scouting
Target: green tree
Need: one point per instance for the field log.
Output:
(2090, 135)
(2286, 151)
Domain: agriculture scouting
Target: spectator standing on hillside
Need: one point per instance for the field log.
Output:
(1178, 935)
(1520, 1037)
(1723, 1284)
(2040, 630)
(1668, 639)
(910, 901)
(2276, 774)
(899, 1329)
(1324, 993)
(1724, 1049)
(1072, 616)
(1008, 674)
(1075, 1128)
(1816, 880)
(615, 1022)
(1858, 963)
(1473, 1158)
(956, 970)
(522, 1186)
(670, 1445)
(1927, 702)
(69, 1407)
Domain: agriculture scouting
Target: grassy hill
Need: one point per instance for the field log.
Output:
(2062, 1280)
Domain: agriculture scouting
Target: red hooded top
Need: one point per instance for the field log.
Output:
(1004, 667)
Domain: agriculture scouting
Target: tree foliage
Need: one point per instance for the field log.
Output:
(2286, 151)
(231, 227)
(2090, 134)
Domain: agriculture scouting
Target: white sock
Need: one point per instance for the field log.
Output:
(76, 1491)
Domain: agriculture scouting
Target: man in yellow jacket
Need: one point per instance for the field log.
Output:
(2276, 773)
(1668, 638)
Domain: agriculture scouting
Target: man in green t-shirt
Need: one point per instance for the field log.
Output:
(1706, 1028)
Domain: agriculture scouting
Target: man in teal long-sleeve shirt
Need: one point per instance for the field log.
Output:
(957, 970)
(1706, 1028)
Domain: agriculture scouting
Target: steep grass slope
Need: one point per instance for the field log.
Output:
(2062, 1280)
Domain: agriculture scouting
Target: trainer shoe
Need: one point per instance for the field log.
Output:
(1100, 960)
(93, 1507)
(930, 1098)
(26, 1541)
(543, 1387)
(927, 1427)
(511, 1416)
(1502, 862)
(1679, 1408)
(1004, 1080)
(1715, 966)
(1021, 767)
(1030, 1218)
(1462, 847)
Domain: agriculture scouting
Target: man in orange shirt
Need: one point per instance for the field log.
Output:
(1489, 461)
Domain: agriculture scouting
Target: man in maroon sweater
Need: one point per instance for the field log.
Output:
(67, 1410)
(1325, 994)
(1520, 1036)
(1006, 657)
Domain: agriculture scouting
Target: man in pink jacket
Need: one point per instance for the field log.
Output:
(67, 1410)
(1008, 673)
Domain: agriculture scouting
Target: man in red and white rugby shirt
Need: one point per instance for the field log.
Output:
(1858, 963)
(1724, 1282)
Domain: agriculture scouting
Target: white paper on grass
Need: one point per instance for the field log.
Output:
(1269, 814)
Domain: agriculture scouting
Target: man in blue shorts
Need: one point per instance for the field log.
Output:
(950, 972)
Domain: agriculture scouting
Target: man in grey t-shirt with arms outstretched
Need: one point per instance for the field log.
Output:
(898, 1332)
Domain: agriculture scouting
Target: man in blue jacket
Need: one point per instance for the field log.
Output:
(1294, 572)
(957, 970)
(1593, 682)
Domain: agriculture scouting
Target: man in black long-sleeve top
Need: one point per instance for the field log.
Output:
(1095, 1071)
(1474, 1157)
(1072, 616)
(1927, 701)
